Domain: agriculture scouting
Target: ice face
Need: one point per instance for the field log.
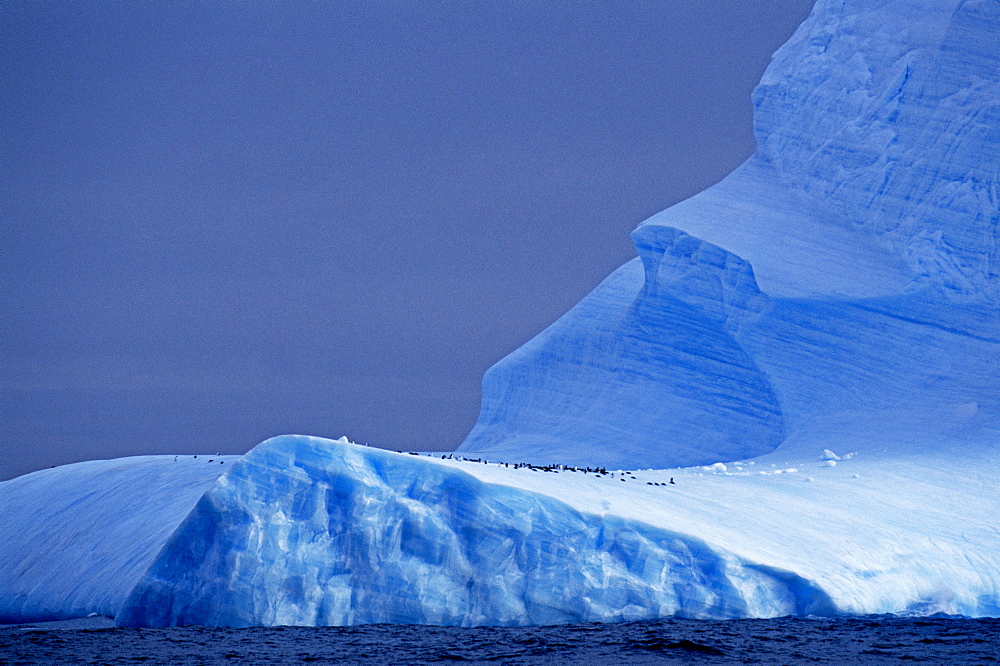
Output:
(850, 267)
(885, 114)
(308, 531)
(876, 167)
(305, 531)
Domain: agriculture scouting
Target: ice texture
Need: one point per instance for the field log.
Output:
(305, 531)
(308, 531)
(800, 370)
(76, 538)
(848, 271)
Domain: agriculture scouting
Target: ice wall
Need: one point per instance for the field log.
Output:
(849, 270)
(305, 531)
(877, 160)
(886, 113)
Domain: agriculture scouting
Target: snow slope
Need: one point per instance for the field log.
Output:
(849, 267)
(77, 537)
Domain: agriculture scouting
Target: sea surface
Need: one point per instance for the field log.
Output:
(857, 640)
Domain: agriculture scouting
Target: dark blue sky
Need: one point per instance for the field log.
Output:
(224, 221)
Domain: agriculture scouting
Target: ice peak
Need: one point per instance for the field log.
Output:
(852, 266)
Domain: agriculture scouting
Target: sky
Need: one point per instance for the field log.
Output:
(224, 221)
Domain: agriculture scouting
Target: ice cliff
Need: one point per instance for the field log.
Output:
(801, 369)
(305, 531)
(850, 267)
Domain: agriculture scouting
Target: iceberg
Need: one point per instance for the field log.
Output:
(77, 538)
(787, 404)
(849, 268)
(305, 531)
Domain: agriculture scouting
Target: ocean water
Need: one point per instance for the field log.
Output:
(859, 640)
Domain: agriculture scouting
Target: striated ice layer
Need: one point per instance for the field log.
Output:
(305, 531)
(885, 114)
(659, 379)
(877, 156)
(682, 360)
(816, 339)
(848, 271)
(75, 539)
(308, 531)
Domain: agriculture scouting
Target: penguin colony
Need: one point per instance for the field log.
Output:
(555, 469)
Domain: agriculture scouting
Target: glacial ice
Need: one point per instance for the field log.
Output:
(76, 538)
(799, 374)
(849, 268)
(305, 531)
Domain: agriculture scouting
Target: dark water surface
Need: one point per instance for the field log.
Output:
(864, 640)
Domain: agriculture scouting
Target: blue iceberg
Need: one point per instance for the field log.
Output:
(305, 531)
(849, 268)
(788, 403)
